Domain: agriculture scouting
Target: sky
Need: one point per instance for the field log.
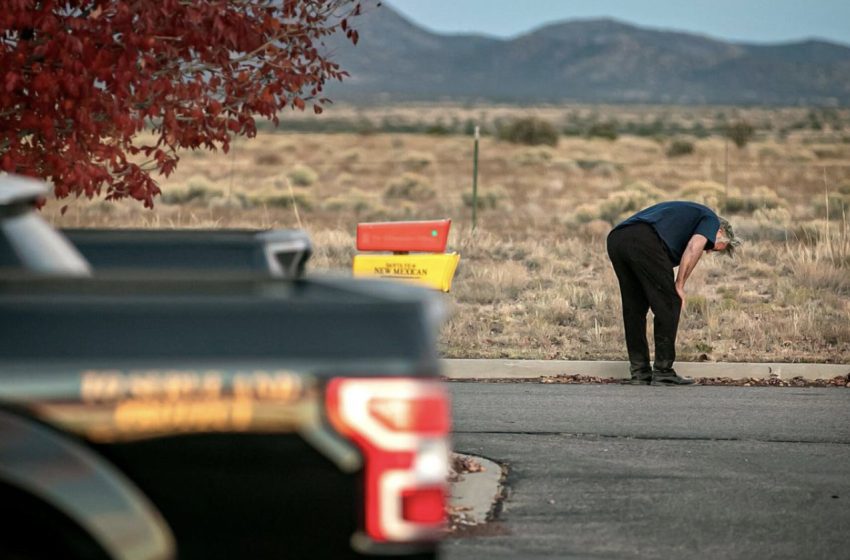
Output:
(756, 21)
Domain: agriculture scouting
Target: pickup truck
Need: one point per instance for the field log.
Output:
(212, 412)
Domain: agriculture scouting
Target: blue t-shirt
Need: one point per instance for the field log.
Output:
(676, 222)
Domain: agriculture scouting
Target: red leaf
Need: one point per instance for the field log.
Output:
(7, 163)
(11, 80)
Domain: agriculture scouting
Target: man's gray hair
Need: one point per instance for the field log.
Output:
(728, 233)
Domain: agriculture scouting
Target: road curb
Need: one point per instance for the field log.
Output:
(475, 494)
(525, 369)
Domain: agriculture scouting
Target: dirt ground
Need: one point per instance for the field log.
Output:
(534, 280)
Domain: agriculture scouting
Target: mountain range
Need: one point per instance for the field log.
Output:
(592, 61)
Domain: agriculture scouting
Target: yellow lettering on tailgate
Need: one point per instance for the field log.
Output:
(101, 385)
(178, 385)
(142, 416)
(277, 385)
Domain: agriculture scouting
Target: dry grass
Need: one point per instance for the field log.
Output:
(534, 280)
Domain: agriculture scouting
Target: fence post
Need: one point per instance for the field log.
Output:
(475, 183)
(726, 174)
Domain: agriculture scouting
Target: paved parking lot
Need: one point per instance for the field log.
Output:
(642, 472)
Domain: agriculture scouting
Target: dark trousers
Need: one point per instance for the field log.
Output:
(645, 273)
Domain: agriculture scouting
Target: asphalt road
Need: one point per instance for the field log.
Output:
(604, 471)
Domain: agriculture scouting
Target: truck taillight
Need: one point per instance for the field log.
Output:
(401, 425)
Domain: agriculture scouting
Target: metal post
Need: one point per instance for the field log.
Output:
(475, 183)
(726, 173)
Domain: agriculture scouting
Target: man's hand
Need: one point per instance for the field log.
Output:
(690, 258)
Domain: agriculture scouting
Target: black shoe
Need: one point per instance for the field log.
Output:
(669, 378)
(641, 379)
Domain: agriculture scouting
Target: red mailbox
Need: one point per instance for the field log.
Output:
(404, 237)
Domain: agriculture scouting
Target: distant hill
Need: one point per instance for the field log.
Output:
(601, 61)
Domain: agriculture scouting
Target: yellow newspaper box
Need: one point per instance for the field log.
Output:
(429, 269)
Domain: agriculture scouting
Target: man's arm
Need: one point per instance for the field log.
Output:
(690, 258)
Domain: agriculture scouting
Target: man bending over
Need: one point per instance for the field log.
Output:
(644, 249)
